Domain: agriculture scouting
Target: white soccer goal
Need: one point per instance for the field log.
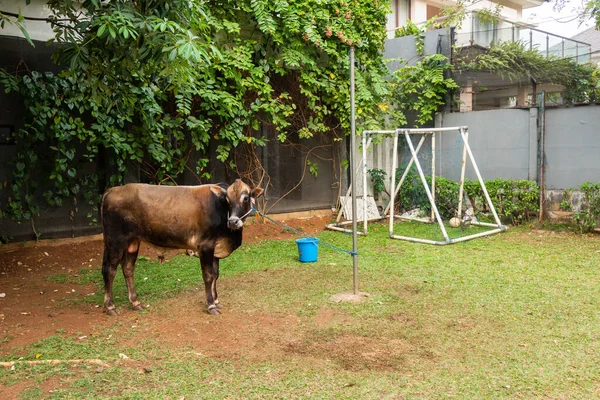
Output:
(424, 133)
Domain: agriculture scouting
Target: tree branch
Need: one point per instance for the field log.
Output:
(49, 20)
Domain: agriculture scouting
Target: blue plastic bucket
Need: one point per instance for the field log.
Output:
(308, 249)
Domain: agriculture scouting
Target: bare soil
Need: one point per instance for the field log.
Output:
(33, 308)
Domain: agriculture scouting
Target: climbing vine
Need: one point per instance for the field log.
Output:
(422, 88)
(149, 83)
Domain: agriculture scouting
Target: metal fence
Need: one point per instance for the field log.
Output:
(474, 31)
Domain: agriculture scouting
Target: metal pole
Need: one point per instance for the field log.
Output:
(451, 241)
(394, 164)
(388, 132)
(462, 177)
(530, 39)
(364, 171)
(433, 172)
(431, 130)
(542, 155)
(353, 173)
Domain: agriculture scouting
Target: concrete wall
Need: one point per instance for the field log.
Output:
(505, 144)
(437, 41)
(572, 146)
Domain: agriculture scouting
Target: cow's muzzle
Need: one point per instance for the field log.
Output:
(235, 223)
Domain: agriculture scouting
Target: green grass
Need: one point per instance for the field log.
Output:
(513, 315)
(153, 280)
(61, 278)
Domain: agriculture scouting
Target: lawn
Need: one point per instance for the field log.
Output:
(513, 315)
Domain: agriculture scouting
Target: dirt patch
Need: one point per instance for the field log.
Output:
(235, 334)
(349, 297)
(33, 307)
(356, 353)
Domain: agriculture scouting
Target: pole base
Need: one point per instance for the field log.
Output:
(349, 297)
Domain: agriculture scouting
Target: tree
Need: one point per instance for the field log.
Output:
(586, 10)
(592, 11)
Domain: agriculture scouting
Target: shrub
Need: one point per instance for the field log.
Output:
(514, 200)
(587, 218)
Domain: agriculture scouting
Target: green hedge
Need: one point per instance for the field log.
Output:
(515, 201)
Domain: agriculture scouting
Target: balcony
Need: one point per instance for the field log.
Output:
(475, 32)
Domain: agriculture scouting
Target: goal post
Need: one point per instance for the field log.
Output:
(423, 134)
(466, 151)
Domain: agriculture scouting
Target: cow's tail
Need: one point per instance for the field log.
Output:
(105, 256)
(102, 202)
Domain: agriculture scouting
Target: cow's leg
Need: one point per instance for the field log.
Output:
(113, 255)
(128, 271)
(207, 262)
(214, 283)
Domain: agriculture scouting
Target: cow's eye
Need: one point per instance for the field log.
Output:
(245, 198)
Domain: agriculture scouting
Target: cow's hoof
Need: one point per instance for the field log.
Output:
(219, 306)
(112, 312)
(138, 307)
(212, 310)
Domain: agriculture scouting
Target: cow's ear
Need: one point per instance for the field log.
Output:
(218, 191)
(257, 192)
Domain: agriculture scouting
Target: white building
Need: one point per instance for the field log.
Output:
(481, 90)
(420, 11)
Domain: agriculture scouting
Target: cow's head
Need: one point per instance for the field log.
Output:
(240, 199)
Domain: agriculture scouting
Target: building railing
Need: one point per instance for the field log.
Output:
(486, 34)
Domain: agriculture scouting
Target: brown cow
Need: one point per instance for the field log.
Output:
(206, 218)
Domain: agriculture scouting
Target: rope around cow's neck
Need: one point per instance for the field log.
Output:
(297, 232)
(249, 211)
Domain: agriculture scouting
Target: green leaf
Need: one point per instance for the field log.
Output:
(101, 30)
(26, 34)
